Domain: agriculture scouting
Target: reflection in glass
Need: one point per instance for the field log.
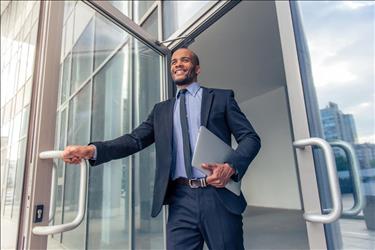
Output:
(178, 13)
(17, 61)
(109, 214)
(78, 134)
(140, 9)
(149, 231)
(151, 24)
(82, 57)
(83, 15)
(65, 80)
(122, 6)
(337, 54)
(19, 177)
(115, 111)
(107, 38)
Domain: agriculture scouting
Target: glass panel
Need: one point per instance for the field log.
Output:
(19, 100)
(106, 42)
(109, 215)
(78, 134)
(68, 33)
(122, 6)
(83, 16)
(68, 8)
(65, 80)
(25, 121)
(10, 184)
(82, 57)
(337, 63)
(151, 24)
(104, 55)
(148, 231)
(140, 9)
(31, 51)
(178, 13)
(27, 95)
(19, 178)
(60, 140)
(23, 64)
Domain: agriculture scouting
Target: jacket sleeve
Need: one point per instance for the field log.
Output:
(128, 144)
(245, 135)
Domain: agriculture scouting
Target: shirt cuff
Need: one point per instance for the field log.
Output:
(95, 153)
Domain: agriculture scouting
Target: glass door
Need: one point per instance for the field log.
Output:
(111, 74)
(336, 58)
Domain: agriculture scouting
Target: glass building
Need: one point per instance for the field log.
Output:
(79, 71)
(337, 125)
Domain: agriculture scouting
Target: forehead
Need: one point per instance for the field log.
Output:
(182, 53)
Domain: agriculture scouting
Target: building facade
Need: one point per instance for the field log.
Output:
(81, 71)
(338, 125)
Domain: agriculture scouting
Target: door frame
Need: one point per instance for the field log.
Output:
(305, 159)
(308, 184)
(41, 132)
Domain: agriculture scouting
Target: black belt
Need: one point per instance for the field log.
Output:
(193, 183)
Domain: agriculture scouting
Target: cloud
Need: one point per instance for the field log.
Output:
(340, 37)
(364, 108)
(355, 5)
(370, 138)
(337, 74)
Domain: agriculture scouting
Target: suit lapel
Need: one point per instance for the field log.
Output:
(207, 97)
(170, 120)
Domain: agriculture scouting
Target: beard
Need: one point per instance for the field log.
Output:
(189, 78)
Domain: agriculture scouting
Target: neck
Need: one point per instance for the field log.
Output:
(185, 85)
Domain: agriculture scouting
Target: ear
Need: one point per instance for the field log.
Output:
(197, 69)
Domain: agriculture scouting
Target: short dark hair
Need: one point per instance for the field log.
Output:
(195, 58)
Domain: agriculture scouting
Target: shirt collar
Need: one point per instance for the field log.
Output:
(192, 89)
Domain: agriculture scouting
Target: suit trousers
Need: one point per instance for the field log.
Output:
(196, 215)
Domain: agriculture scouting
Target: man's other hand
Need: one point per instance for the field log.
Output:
(74, 154)
(220, 174)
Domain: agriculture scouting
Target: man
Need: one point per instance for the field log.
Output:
(200, 207)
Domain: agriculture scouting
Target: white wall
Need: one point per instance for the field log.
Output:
(271, 180)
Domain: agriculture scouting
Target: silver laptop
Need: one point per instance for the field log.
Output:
(211, 149)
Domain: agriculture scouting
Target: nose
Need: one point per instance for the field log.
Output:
(177, 64)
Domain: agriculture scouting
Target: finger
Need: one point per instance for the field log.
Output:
(217, 185)
(76, 160)
(207, 166)
(218, 171)
(69, 151)
(68, 160)
(211, 179)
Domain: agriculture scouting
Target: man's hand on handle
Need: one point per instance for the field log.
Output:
(220, 174)
(74, 154)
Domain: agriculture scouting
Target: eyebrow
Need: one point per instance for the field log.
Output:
(184, 57)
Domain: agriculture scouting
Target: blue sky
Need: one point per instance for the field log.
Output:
(341, 40)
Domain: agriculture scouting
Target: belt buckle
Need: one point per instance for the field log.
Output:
(192, 185)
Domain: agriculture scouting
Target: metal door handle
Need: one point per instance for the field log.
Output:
(329, 157)
(46, 230)
(359, 202)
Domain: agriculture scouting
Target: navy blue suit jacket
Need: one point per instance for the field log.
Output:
(220, 113)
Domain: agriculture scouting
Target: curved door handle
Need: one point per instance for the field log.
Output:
(359, 202)
(329, 157)
(46, 230)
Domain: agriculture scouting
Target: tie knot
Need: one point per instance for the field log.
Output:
(182, 91)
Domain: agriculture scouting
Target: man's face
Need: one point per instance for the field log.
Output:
(183, 68)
